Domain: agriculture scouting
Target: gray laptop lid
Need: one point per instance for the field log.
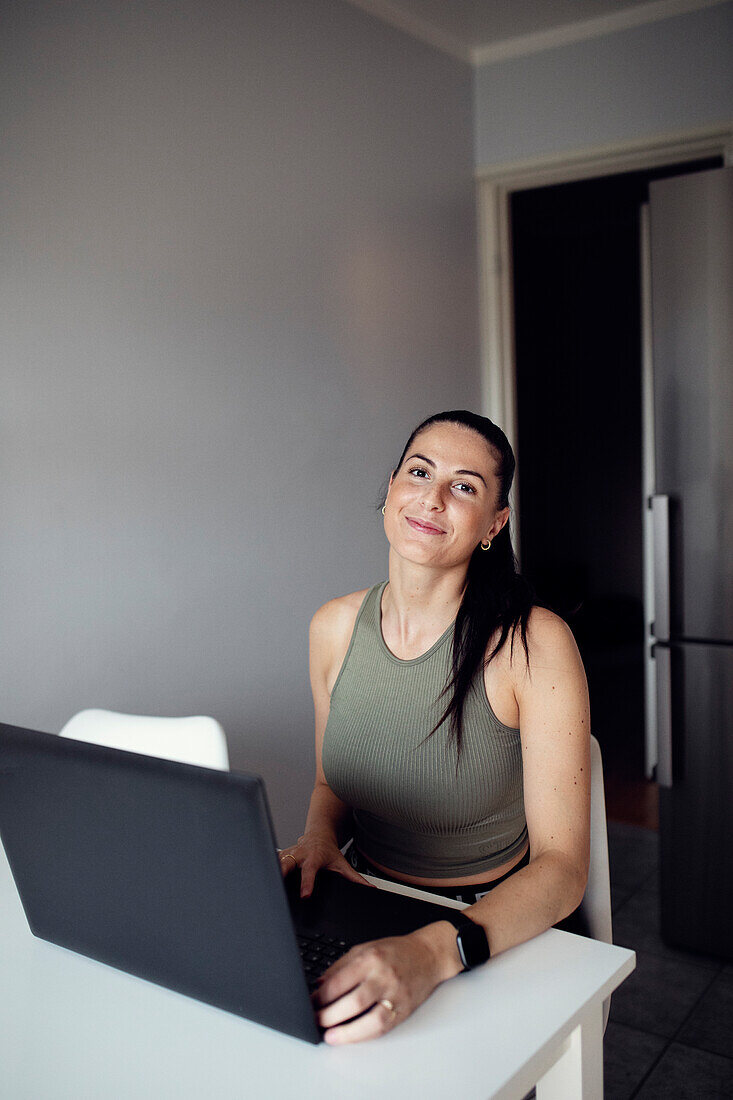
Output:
(165, 870)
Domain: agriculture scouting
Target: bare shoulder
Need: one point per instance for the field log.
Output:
(554, 673)
(551, 647)
(335, 619)
(549, 638)
(330, 633)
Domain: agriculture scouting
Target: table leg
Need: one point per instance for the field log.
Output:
(578, 1071)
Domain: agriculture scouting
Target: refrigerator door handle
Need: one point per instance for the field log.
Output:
(663, 659)
(660, 535)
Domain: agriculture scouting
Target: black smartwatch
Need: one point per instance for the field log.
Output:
(472, 942)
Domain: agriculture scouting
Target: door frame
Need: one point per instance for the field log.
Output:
(494, 189)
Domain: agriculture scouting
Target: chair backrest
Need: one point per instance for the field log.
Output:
(195, 740)
(596, 904)
(595, 907)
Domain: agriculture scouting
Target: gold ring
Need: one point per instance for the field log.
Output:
(288, 855)
(390, 1007)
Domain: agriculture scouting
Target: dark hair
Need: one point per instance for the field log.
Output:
(496, 595)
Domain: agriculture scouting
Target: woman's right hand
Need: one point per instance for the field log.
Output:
(310, 853)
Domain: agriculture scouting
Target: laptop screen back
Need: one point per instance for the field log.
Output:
(165, 870)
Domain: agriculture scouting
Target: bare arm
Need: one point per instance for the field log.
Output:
(328, 816)
(554, 716)
(555, 729)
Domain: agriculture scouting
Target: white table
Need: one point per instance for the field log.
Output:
(73, 1028)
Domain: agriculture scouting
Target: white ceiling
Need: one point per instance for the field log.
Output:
(482, 31)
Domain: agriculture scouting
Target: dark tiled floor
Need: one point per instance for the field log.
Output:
(670, 1032)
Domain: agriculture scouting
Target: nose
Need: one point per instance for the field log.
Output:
(432, 497)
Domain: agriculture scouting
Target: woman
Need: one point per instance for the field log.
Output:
(421, 688)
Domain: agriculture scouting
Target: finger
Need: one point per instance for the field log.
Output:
(354, 1002)
(340, 978)
(344, 868)
(288, 863)
(307, 877)
(373, 1023)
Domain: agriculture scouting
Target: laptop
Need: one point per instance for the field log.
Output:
(170, 872)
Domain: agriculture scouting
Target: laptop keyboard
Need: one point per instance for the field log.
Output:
(318, 951)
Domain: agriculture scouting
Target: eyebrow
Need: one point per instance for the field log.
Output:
(471, 473)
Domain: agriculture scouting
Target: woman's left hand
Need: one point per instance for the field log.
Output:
(385, 980)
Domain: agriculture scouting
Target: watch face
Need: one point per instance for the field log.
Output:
(473, 945)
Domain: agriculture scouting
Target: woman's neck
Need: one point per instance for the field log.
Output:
(419, 602)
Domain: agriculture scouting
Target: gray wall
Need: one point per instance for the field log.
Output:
(657, 79)
(238, 263)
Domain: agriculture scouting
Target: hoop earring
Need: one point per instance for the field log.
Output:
(488, 545)
(383, 507)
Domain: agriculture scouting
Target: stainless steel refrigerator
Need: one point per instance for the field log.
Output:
(691, 513)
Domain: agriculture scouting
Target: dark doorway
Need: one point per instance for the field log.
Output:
(577, 301)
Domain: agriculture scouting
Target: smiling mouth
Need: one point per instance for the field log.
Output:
(426, 528)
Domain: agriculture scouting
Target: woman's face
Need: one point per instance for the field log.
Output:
(442, 502)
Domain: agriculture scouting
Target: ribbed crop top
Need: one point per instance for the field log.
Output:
(413, 813)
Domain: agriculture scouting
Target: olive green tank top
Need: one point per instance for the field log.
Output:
(413, 811)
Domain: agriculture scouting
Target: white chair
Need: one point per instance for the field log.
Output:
(196, 740)
(595, 908)
(596, 904)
